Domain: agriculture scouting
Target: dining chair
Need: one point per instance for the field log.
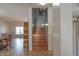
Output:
(9, 40)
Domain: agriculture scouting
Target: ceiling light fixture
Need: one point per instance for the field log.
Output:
(56, 4)
(42, 3)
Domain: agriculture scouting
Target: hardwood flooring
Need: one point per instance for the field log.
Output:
(17, 50)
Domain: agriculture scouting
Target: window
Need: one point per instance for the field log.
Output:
(19, 30)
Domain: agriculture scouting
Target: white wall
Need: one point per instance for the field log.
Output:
(66, 29)
(56, 30)
(3, 27)
(30, 29)
(50, 29)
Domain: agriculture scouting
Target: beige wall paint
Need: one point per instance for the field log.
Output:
(50, 29)
(56, 30)
(66, 29)
(3, 27)
(30, 29)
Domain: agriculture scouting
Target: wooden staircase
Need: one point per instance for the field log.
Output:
(40, 39)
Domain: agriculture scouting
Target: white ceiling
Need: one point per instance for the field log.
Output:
(13, 12)
(17, 11)
(20, 11)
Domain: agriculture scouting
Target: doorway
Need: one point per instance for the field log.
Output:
(40, 29)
